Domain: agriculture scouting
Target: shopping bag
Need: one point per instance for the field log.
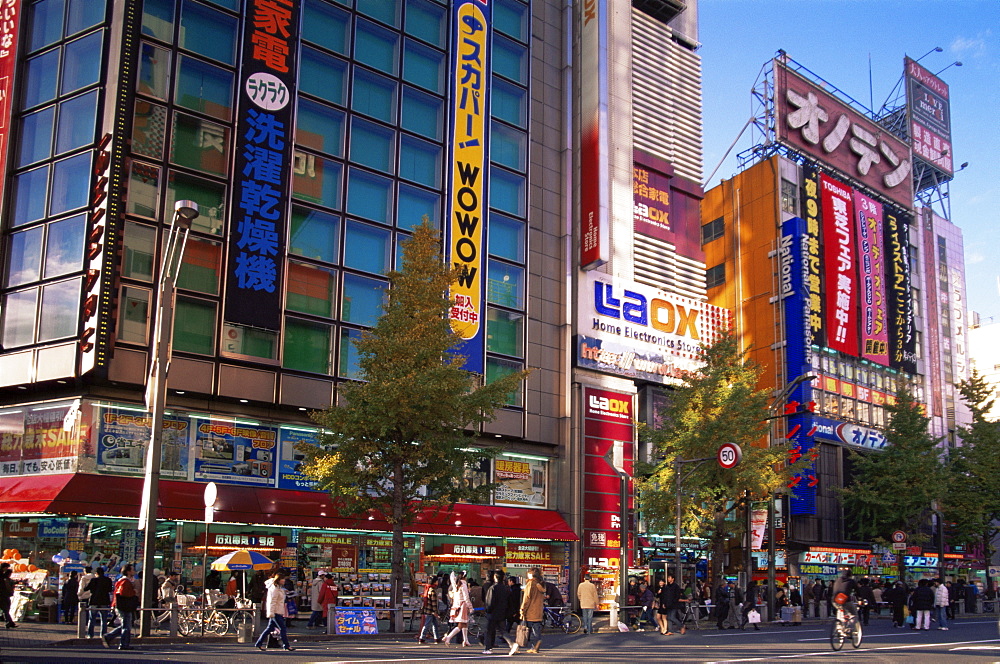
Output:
(523, 632)
(622, 627)
(291, 609)
(753, 616)
(910, 619)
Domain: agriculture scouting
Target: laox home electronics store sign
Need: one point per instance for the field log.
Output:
(633, 330)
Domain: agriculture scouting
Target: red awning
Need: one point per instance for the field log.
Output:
(109, 495)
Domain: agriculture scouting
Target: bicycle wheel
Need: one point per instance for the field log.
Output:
(856, 635)
(188, 623)
(572, 623)
(474, 627)
(242, 618)
(837, 636)
(218, 623)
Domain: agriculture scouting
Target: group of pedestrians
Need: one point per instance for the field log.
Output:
(734, 608)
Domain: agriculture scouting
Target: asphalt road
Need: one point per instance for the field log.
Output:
(973, 640)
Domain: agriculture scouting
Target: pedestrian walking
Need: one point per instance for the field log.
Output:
(533, 608)
(70, 600)
(923, 604)
(328, 594)
(315, 587)
(513, 602)
(866, 600)
(461, 608)
(896, 596)
(6, 595)
(750, 604)
(941, 602)
(669, 597)
(100, 588)
(495, 604)
(586, 594)
(125, 603)
(276, 609)
(83, 595)
(818, 596)
(429, 612)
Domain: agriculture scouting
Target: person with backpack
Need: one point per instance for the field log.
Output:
(100, 588)
(126, 603)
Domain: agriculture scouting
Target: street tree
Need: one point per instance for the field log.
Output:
(402, 436)
(972, 503)
(719, 404)
(897, 487)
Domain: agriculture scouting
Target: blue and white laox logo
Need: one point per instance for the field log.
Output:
(634, 307)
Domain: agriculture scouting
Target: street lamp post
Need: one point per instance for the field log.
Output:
(156, 392)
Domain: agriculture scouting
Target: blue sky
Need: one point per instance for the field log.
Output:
(834, 39)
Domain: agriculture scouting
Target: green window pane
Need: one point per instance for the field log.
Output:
(509, 103)
(510, 59)
(505, 332)
(158, 19)
(201, 266)
(250, 341)
(366, 248)
(319, 127)
(64, 246)
(511, 18)
(420, 161)
(374, 95)
(422, 114)
(198, 144)
(426, 20)
(347, 366)
(204, 88)
(316, 180)
(140, 249)
(507, 192)
(46, 21)
(423, 66)
(326, 26)
(497, 369)
(194, 326)
(386, 11)
(133, 315)
(414, 204)
(323, 76)
(210, 197)
(25, 256)
(505, 285)
(314, 234)
(363, 297)
(143, 190)
(376, 47)
(70, 184)
(154, 71)
(40, 78)
(36, 136)
(369, 196)
(30, 191)
(508, 147)
(77, 119)
(308, 346)
(208, 32)
(372, 145)
(506, 238)
(311, 290)
(59, 313)
(82, 62)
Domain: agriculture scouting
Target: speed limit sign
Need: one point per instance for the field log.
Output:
(729, 455)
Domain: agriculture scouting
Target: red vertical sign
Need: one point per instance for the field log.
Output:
(10, 21)
(840, 260)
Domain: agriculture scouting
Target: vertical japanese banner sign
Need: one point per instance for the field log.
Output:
(594, 193)
(840, 257)
(871, 264)
(469, 175)
(10, 25)
(902, 340)
(935, 402)
(263, 164)
(608, 418)
(813, 276)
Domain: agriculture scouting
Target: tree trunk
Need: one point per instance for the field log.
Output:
(396, 594)
(987, 558)
(718, 547)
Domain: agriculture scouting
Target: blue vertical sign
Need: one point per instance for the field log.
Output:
(468, 175)
(263, 162)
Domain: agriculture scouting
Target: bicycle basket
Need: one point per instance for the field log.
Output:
(840, 598)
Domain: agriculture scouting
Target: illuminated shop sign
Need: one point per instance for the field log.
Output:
(902, 334)
(849, 434)
(840, 262)
(666, 207)
(874, 343)
(928, 106)
(594, 188)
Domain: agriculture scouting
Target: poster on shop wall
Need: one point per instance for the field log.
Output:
(41, 440)
(520, 482)
(234, 453)
(122, 437)
(290, 464)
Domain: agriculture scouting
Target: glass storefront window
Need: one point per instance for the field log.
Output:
(143, 194)
(497, 369)
(347, 365)
(507, 192)
(509, 103)
(323, 76)
(366, 248)
(154, 71)
(36, 136)
(314, 234)
(46, 20)
(208, 32)
(204, 88)
(362, 300)
(420, 161)
(510, 60)
(386, 11)
(250, 342)
(308, 346)
(210, 197)
(506, 238)
(505, 285)
(319, 127)
(311, 290)
(508, 147)
(426, 21)
(376, 47)
(64, 246)
(200, 145)
(414, 204)
(19, 318)
(149, 129)
(30, 192)
(40, 78)
(70, 184)
(59, 312)
(422, 114)
(372, 145)
(83, 14)
(194, 326)
(158, 19)
(373, 95)
(511, 18)
(316, 180)
(423, 66)
(505, 332)
(326, 26)
(81, 62)
(369, 196)
(77, 117)
(25, 256)
(140, 248)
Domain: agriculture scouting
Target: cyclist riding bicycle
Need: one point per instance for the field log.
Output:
(844, 591)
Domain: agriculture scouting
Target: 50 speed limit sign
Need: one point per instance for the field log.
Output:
(729, 455)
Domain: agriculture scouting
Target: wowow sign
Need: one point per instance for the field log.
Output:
(469, 159)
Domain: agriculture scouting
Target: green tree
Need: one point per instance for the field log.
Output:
(405, 431)
(972, 502)
(719, 404)
(896, 487)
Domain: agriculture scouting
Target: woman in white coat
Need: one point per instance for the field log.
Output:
(276, 610)
(461, 608)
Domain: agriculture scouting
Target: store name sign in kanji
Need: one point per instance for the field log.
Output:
(929, 108)
(469, 167)
(263, 165)
(813, 122)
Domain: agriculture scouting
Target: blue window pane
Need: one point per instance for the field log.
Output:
(423, 66)
(506, 237)
(372, 145)
(316, 180)
(319, 127)
(422, 114)
(25, 256)
(323, 76)
(363, 298)
(508, 146)
(40, 81)
(366, 248)
(507, 192)
(205, 88)
(158, 19)
(228, 4)
(386, 11)
(511, 18)
(77, 118)
(415, 204)
(426, 21)
(368, 196)
(347, 366)
(20, 314)
(30, 191)
(208, 32)
(314, 234)
(510, 60)
(154, 71)
(509, 103)
(60, 308)
(46, 21)
(326, 26)
(70, 184)
(420, 161)
(36, 136)
(83, 14)
(64, 246)
(376, 47)
(374, 95)
(82, 62)
(505, 285)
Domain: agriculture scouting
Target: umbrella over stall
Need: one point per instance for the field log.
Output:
(242, 560)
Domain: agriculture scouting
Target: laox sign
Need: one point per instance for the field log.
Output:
(637, 308)
(606, 405)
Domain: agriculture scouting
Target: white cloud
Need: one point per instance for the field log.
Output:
(971, 47)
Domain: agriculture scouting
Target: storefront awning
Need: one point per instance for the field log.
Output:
(108, 495)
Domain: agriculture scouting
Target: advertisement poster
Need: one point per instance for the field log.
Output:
(234, 453)
(840, 261)
(521, 482)
(123, 436)
(666, 207)
(758, 525)
(289, 466)
(902, 333)
(356, 621)
(11, 432)
(51, 441)
(871, 264)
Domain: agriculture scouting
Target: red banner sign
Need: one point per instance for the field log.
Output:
(840, 260)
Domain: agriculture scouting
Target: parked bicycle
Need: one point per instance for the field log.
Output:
(560, 617)
(845, 626)
(214, 622)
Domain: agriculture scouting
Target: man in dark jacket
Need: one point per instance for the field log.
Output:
(513, 602)
(847, 586)
(896, 597)
(495, 603)
(671, 597)
(100, 602)
(866, 599)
